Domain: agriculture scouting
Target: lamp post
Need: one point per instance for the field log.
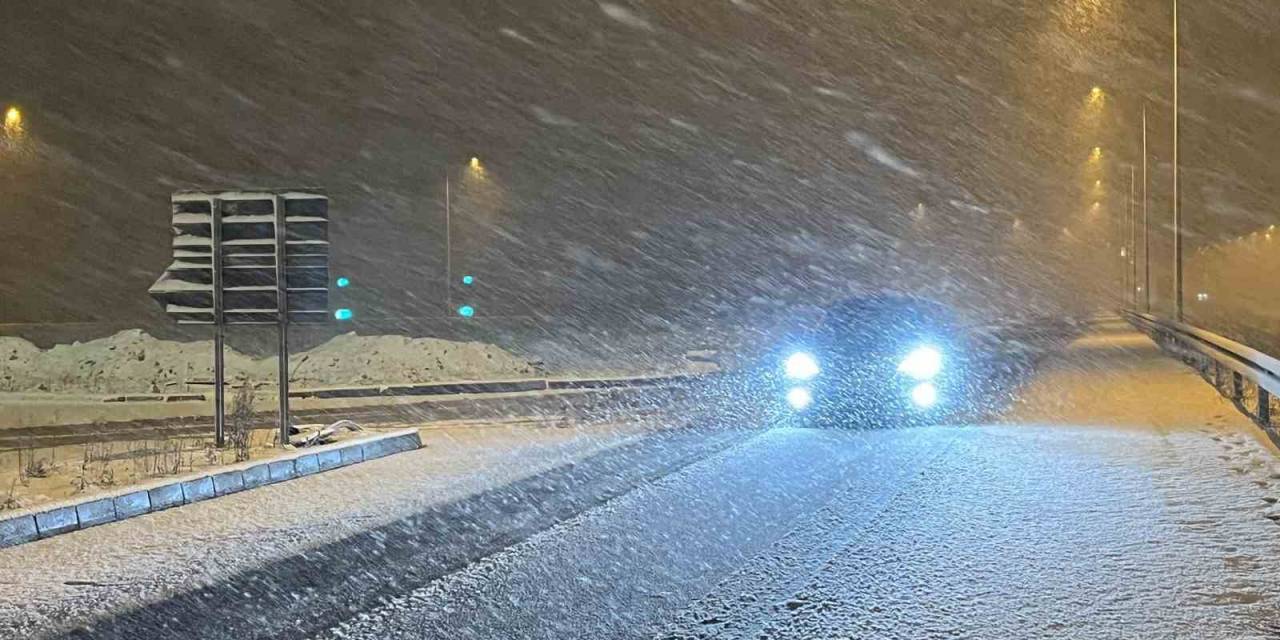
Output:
(476, 169)
(1146, 226)
(1177, 195)
(448, 250)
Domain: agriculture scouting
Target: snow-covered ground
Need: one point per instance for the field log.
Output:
(1123, 498)
(79, 576)
(135, 362)
(1119, 497)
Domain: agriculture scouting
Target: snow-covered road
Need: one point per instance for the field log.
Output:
(1119, 497)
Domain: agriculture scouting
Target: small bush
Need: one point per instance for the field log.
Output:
(241, 426)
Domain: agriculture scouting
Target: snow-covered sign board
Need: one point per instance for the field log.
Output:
(248, 257)
(230, 249)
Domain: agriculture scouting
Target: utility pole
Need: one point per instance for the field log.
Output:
(448, 251)
(1177, 195)
(1146, 227)
(1132, 267)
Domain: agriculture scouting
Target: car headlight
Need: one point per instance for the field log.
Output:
(799, 398)
(924, 395)
(801, 366)
(923, 363)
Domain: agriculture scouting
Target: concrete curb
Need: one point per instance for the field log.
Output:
(53, 519)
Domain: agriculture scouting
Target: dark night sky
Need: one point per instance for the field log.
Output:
(662, 161)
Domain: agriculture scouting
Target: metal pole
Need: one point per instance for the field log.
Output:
(448, 250)
(219, 409)
(219, 338)
(1177, 196)
(1133, 240)
(282, 317)
(1124, 258)
(1146, 227)
(1264, 407)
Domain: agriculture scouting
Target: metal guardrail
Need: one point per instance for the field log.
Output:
(1248, 377)
(439, 388)
(450, 394)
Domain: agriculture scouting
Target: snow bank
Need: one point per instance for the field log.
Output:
(134, 362)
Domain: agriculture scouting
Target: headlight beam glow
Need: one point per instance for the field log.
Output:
(801, 366)
(799, 398)
(923, 363)
(924, 395)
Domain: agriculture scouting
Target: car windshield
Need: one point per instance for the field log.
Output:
(639, 319)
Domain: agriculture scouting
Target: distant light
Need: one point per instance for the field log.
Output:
(475, 162)
(924, 395)
(1096, 94)
(343, 282)
(1123, 252)
(801, 366)
(1097, 183)
(923, 363)
(1096, 154)
(13, 122)
(1202, 297)
(799, 398)
(466, 311)
(343, 314)
(468, 280)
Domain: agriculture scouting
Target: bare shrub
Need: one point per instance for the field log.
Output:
(11, 501)
(242, 421)
(30, 466)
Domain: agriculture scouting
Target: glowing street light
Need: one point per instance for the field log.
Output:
(13, 122)
(466, 311)
(1096, 154)
(475, 163)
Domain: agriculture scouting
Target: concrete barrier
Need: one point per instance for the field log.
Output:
(18, 527)
(18, 530)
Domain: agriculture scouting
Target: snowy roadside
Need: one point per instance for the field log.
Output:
(134, 362)
(47, 464)
(1118, 378)
(75, 577)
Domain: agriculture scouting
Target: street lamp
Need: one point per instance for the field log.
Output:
(12, 122)
(476, 169)
(1177, 196)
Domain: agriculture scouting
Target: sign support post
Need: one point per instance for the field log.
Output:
(282, 301)
(257, 257)
(219, 330)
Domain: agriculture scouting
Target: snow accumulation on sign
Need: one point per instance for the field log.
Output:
(239, 231)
